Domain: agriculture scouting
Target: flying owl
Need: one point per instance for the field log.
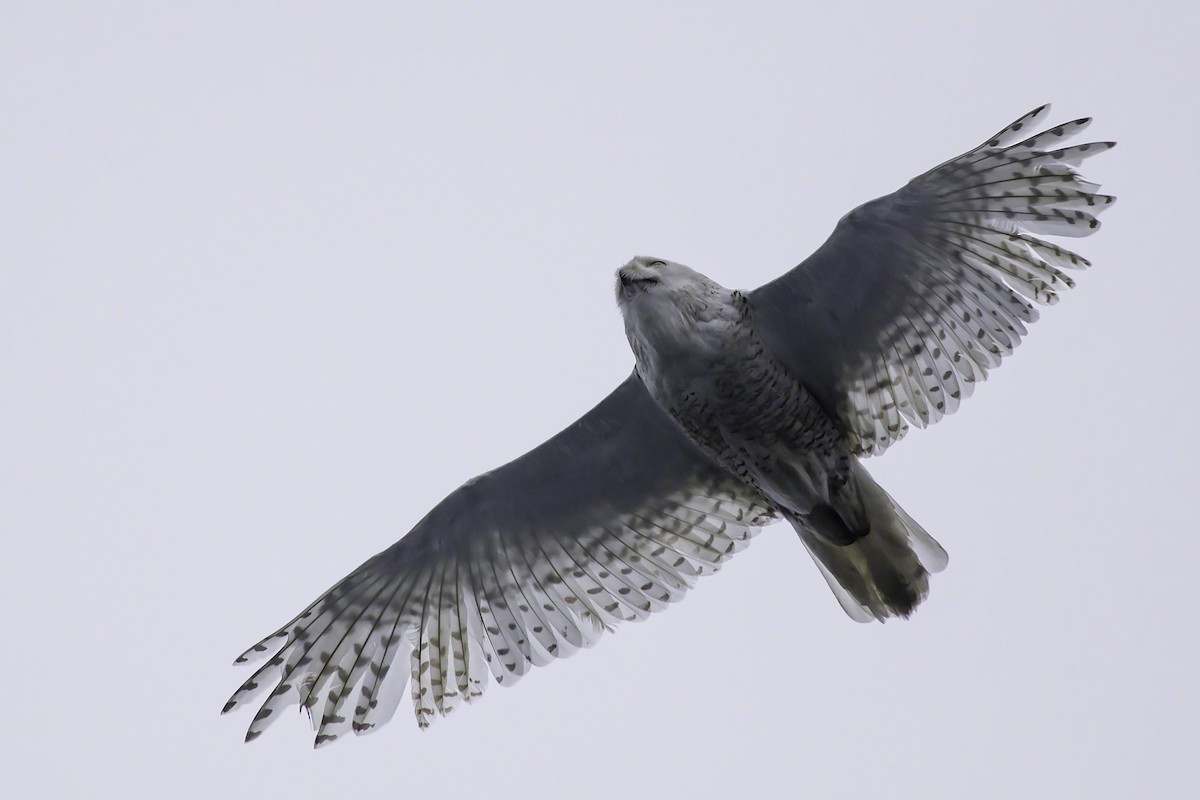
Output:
(743, 408)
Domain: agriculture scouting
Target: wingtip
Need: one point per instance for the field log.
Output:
(1032, 116)
(254, 650)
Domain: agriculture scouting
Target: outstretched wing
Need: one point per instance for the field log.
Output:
(919, 293)
(606, 522)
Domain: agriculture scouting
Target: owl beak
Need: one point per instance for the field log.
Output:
(625, 286)
(631, 282)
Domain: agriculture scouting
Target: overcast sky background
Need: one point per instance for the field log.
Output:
(274, 279)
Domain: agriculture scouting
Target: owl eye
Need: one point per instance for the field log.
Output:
(657, 264)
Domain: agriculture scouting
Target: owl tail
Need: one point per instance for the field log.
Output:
(885, 573)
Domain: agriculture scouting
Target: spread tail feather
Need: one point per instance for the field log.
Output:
(885, 573)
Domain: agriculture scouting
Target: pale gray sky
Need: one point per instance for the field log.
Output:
(275, 279)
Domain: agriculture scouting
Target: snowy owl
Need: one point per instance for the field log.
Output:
(742, 408)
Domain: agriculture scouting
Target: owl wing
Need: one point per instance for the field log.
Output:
(610, 520)
(918, 294)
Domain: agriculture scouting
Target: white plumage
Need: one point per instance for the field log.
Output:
(743, 408)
